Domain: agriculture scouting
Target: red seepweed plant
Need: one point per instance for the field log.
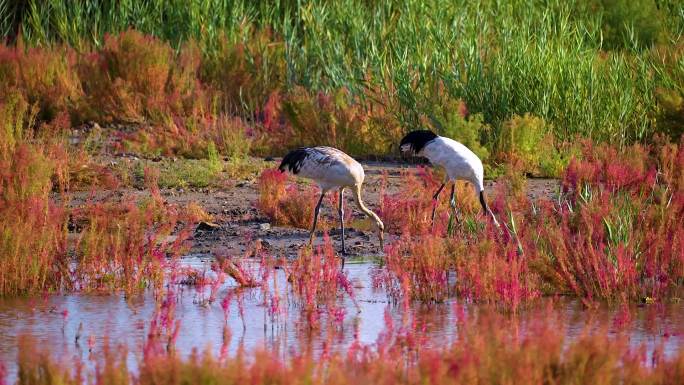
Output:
(614, 233)
(617, 231)
(284, 205)
(410, 209)
(292, 205)
(317, 281)
(469, 257)
(129, 245)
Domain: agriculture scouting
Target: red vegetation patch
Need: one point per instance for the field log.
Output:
(120, 246)
(410, 209)
(317, 280)
(614, 233)
(618, 231)
(135, 77)
(286, 205)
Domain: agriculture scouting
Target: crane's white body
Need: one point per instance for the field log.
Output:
(331, 168)
(458, 160)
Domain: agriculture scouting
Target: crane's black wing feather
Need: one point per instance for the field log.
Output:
(293, 160)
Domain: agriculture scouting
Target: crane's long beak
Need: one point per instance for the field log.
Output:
(405, 151)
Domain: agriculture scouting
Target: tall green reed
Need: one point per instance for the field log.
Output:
(563, 62)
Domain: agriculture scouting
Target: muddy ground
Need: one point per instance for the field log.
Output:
(233, 208)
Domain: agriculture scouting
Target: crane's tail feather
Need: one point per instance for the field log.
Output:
(486, 210)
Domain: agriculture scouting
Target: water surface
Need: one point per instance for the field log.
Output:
(71, 325)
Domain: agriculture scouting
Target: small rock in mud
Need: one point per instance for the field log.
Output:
(207, 226)
(264, 243)
(264, 226)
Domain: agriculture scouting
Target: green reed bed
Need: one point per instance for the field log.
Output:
(610, 70)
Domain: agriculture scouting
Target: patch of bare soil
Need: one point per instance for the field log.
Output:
(240, 223)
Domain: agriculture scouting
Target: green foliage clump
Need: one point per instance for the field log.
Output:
(671, 115)
(457, 124)
(526, 141)
(244, 74)
(15, 117)
(215, 164)
(229, 138)
(181, 173)
(632, 23)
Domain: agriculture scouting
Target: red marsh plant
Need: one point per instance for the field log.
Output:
(122, 245)
(44, 76)
(317, 282)
(416, 269)
(474, 259)
(293, 205)
(617, 232)
(410, 209)
(283, 204)
(32, 229)
(483, 266)
(135, 78)
(238, 272)
(244, 275)
(125, 245)
(490, 269)
(32, 226)
(192, 137)
(164, 326)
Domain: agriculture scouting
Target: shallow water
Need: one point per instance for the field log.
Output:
(55, 321)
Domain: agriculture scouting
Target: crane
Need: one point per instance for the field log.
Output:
(331, 169)
(458, 160)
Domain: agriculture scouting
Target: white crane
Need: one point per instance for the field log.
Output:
(331, 169)
(459, 162)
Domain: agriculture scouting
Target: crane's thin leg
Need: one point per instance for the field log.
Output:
(434, 204)
(313, 228)
(340, 210)
(452, 203)
(486, 210)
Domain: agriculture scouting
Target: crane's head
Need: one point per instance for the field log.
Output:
(413, 143)
(381, 233)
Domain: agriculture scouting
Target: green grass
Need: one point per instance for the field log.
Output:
(592, 68)
(192, 173)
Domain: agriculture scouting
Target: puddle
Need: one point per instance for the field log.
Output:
(55, 321)
(364, 224)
